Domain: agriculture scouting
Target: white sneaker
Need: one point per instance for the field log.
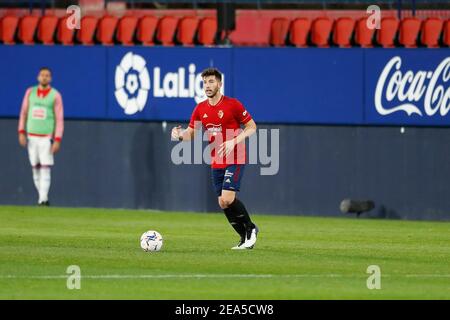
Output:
(251, 239)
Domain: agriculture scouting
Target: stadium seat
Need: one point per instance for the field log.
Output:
(64, 35)
(146, 30)
(187, 28)
(207, 30)
(363, 35)
(409, 32)
(85, 35)
(106, 29)
(343, 31)
(431, 32)
(320, 32)
(125, 30)
(9, 27)
(278, 31)
(387, 32)
(166, 30)
(46, 29)
(446, 35)
(27, 29)
(299, 30)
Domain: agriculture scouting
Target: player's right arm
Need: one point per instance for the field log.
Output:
(23, 119)
(181, 134)
(187, 134)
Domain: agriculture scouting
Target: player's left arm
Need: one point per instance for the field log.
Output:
(59, 126)
(249, 128)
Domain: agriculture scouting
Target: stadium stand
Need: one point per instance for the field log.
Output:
(387, 33)
(166, 30)
(87, 31)
(446, 36)
(343, 31)
(126, 29)
(186, 30)
(27, 29)
(207, 31)
(279, 31)
(64, 35)
(431, 31)
(46, 29)
(299, 31)
(268, 27)
(106, 29)
(363, 34)
(9, 25)
(146, 30)
(320, 32)
(409, 32)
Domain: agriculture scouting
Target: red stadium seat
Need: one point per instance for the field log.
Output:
(278, 31)
(64, 35)
(166, 30)
(320, 31)
(146, 30)
(46, 29)
(431, 31)
(9, 27)
(363, 34)
(86, 33)
(386, 34)
(409, 32)
(446, 35)
(299, 32)
(27, 29)
(106, 29)
(343, 30)
(187, 28)
(207, 30)
(125, 30)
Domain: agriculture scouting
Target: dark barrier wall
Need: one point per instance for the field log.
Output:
(128, 164)
(278, 85)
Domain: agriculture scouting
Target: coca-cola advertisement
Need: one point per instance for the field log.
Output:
(408, 87)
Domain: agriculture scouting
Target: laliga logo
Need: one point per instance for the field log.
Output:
(410, 88)
(132, 83)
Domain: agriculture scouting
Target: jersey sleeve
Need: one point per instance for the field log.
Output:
(59, 115)
(240, 113)
(24, 112)
(194, 119)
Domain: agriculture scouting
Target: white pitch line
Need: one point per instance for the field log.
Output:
(165, 276)
(206, 276)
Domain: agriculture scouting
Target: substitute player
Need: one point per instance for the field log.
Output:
(222, 117)
(41, 127)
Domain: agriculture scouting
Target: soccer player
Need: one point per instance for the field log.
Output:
(222, 118)
(41, 126)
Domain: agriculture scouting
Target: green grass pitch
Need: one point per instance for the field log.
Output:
(295, 257)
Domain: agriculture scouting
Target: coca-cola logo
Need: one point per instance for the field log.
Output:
(421, 92)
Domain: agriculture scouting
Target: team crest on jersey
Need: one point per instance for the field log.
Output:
(220, 114)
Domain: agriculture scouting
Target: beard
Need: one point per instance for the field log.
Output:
(212, 93)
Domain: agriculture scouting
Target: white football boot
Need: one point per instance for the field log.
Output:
(251, 238)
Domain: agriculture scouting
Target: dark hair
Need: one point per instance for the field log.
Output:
(45, 68)
(212, 72)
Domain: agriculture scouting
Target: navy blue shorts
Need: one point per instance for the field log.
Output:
(228, 178)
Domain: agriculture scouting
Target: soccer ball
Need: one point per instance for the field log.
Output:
(151, 241)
